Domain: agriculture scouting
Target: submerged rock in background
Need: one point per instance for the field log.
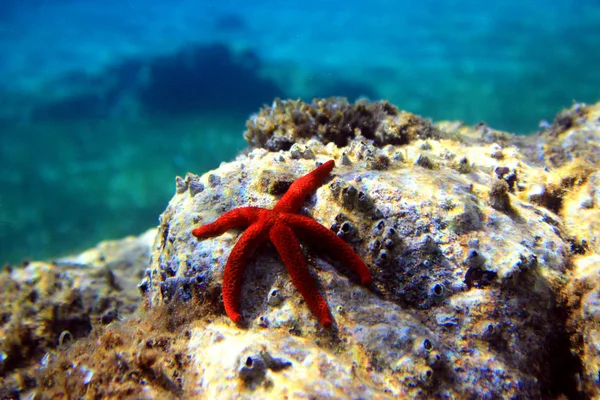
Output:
(482, 246)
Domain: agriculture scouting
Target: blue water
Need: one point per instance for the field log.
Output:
(102, 103)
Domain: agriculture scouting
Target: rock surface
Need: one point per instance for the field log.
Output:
(483, 248)
(46, 305)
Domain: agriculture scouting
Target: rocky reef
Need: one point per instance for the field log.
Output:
(483, 247)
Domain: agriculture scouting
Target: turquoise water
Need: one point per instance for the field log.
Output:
(102, 104)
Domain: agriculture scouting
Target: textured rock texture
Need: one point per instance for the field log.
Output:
(483, 248)
(46, 305)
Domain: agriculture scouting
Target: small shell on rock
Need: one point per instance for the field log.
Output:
(275, 298)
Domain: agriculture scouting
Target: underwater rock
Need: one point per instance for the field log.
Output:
(573, 136)
(44, 304)
(583, 302)
(481, 281)
(289, 122)
(522, 255)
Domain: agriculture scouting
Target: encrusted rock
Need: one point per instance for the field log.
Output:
(48, 305)
(444, 283)
(335, 120)
(499, 198)
(484, 257)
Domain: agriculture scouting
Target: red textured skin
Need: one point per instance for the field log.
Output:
(280, 225)
(292, 200)
(287, 245)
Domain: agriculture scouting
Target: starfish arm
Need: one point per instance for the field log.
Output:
(256, 234)
(330, 242)
(288, 248)
(302, 187)
(238, 218)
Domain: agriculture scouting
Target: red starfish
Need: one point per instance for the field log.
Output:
(280, 225)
